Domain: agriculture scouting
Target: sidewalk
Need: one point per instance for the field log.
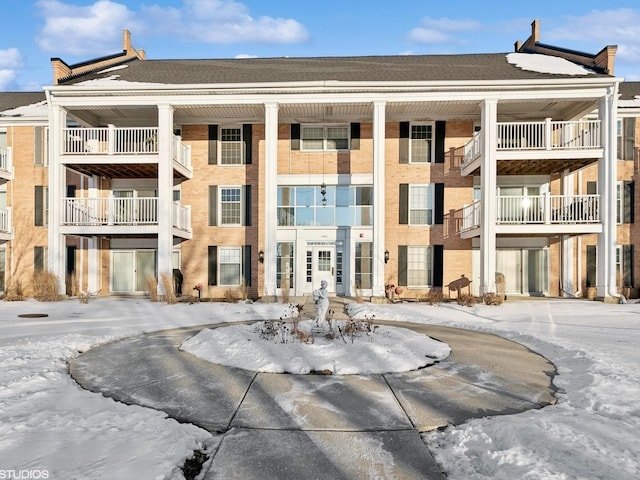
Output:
(281, 426)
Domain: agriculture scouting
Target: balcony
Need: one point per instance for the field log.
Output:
(6, 224)
(121, 216)
(103, 150)
(533, 148)
(6, 164)
(537, 214)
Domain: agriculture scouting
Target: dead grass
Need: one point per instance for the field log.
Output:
(229, 296)
(169, 292)
(152, 288)
(15, 292)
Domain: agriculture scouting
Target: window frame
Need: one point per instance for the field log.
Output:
(431, 138)
(221, 203)
(326, 128)
(428, 208)
(427, 251)
(222, 143)
(237, 251)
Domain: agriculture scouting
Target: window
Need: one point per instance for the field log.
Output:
(420, 204)
(231, 146)
(3, 269)
(230, 205)
(41, 206)
(419, 266)
(421, 143)
(39, 258)
(321, 137)
(364, 265)
(625, 192)
(626, 138)
(624, 266)
(284, 265)
(230, 265)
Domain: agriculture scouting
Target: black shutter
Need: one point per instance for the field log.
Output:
(213, 144)
(440, 134)
(591, 266)
(246, 265)
(71, 259)
(438, 206)
(628, 198)
(402, 265)
(38, 258)
(438, 265)
(39, 206)
(247, 205)
(212, 265)
(295, 136)
(592, 188)
(213, 205)
(355, 136)
(38, 150)
(403, 153)
(403, 205)
(246, 136)
(71, 191)
(627, 264)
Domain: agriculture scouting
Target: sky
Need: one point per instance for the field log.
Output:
(34, 31)
(48, 423)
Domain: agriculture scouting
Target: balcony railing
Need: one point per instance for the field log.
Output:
(5, 159)
(110, 141)
(538, 136)
(5, 220)
(182, 216)
(538, 209)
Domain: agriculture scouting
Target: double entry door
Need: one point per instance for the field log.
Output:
(130, 270)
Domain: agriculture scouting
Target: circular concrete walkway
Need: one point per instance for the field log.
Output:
(282, 426)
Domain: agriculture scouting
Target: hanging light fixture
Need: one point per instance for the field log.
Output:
(323, 192)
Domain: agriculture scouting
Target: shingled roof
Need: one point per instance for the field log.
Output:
(10, 100)
(399, 68)
(629, 90)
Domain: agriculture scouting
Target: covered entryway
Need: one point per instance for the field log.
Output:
(130, 270)
(324, 267)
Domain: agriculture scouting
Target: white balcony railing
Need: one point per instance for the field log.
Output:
(5, 159)
(5, 220)
(538, 209)
(539, 136)
(110, 141)
(181, 152)
(182, 216)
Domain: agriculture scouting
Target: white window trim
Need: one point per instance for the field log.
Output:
(325, 139)
(221, 142)
(429, 251)
(430, 200)
(220, 203)
(433, 142)
(619, 203)
(219, 265)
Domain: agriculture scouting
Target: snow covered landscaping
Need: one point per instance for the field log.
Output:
(48, 424)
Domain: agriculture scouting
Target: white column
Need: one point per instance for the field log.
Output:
(568, 245)
(270, 197)
(165, 192)
(607, 177)
(56, 248)
(488, 202)
(379, 140)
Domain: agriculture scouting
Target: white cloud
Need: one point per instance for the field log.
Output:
(222, 22)
(7, 77)
(441, 30)
(11, 58)
(605, 27)
(83, 30)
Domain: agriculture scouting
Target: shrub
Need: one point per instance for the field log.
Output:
(15, 292)
(169, 292)
(152, 287)
(467, 300)
(45, 286)
(229, 296)
(493, 299)
(434, 297)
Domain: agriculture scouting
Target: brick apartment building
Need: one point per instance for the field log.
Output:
(274, 174)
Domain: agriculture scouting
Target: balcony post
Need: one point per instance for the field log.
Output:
(548, 134)
(111, 139)
(165, 193)
(488, 185)
(379, 121)
(270, 198)
(547, 207)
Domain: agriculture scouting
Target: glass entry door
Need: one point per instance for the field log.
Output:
(130, 270)
(324, 267)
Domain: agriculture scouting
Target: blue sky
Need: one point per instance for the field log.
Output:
(34, 31)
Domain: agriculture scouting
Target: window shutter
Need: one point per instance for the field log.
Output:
(629, 138)
(71, 191)
(246, 136)
(38, 258)
(402, 265)
(71, 259)
(438, 265)
(246, 265)
(591, 265)
(38, 149)
(247, 205)
(627, 263)
(403, 154)
(403, 205)
(39, 206)
(213, 205)
(212, 265)
(440, 134)
(213, 144)
(438, 207)
(592, 188)
(295, 136)
(355, 136)
(628, 197)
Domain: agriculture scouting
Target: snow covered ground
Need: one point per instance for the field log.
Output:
(51, 428)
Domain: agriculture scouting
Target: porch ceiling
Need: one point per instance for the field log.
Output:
(511, 110)
(119, 170)
(540, 167)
